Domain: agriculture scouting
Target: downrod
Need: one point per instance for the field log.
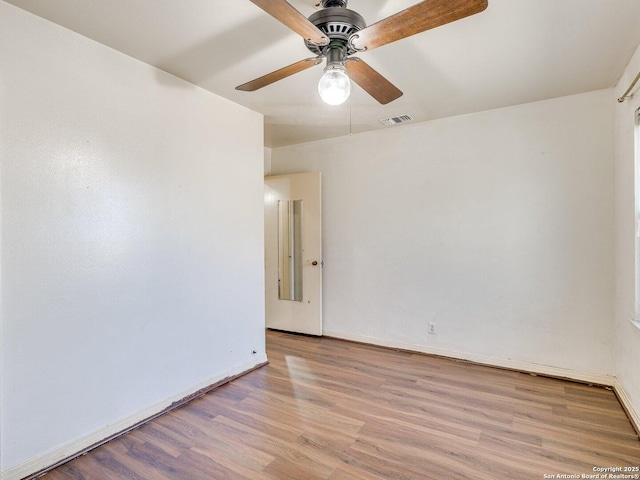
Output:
(334, 3)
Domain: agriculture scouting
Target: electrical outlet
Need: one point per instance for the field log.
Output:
(432, 328)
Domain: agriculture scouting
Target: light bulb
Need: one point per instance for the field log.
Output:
(334, 86)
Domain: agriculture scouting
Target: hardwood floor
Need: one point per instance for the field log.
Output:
(328, 409)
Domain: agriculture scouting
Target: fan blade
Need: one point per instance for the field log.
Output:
(371, 81)
(418, 18)
(273, 77)
(283, 11)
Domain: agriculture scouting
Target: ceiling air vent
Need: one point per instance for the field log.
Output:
(395, 120)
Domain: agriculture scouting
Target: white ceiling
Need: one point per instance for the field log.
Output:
(514, 52)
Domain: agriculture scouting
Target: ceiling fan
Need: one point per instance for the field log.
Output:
(336, 33)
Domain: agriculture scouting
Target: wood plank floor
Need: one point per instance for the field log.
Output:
(328, 409)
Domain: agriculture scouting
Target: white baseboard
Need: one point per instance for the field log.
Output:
(80, 444)
(539, 369)
(627, 404)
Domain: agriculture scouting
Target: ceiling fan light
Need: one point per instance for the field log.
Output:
(334, 86)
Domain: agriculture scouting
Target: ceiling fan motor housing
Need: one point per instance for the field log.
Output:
(337, 23)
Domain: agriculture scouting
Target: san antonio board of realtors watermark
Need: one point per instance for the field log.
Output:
(632, 473)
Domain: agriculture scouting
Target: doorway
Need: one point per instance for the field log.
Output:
(293, 253)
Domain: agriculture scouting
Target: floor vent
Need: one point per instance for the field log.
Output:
(395, 120)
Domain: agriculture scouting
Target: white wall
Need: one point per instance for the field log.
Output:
(497, 227)
(132, 240)
(627, 341)
(267, 161)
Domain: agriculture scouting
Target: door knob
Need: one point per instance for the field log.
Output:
(314, 263)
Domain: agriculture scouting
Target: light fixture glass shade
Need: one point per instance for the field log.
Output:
(334, 86)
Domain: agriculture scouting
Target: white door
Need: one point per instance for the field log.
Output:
(293, 253)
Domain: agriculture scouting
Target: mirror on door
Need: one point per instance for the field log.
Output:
(290, 250)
